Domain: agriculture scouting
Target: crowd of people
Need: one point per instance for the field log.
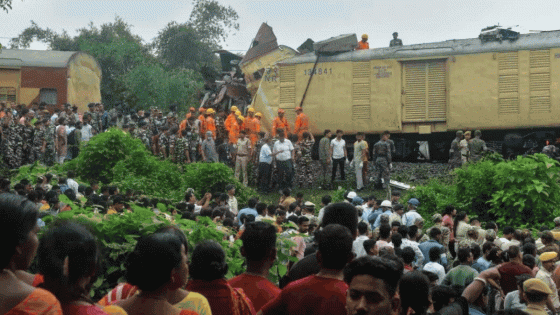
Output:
(359, 256)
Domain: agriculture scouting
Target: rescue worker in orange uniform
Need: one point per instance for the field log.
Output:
(202, 122)
(363, 44)
(302, 123)
(258, 117)
(234, 130)
(210, 122)
(231, 118)
(251, 126)
(280, 122)
(184, 123)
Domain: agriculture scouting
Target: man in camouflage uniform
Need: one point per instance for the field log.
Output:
(455, 151)
(194, 143)
(477, 146)
(382, 158)
(255, 158)
(49, 154)
(142, 133)
(27, 139)
(304, 175)
(162, 143)
(172, 136)
(39, 144)
(8, 140)
(181, 153)
(221, 132)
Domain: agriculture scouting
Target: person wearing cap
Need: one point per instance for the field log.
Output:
(410, 217)
(243, 150)
(382, 158)
(477, 146)
(556, 230)
(396, 216)
(361, 160)
(202, 122)
(363, 44)
(221, 131)
(208, 149)
(302, 123)
(210, 122)
(548, 260)
(231, 118)
(304, 169)
(258, 115)
(536, 293)
(251, 126)
(455, 151)
(464, 145)
(308, 209)
(280, 122)
(386, 207)
(396, 41)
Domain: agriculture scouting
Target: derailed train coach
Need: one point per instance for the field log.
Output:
(424, 93)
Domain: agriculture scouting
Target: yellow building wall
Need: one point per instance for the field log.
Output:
(28, 95)
(11, 78)
(84, 81)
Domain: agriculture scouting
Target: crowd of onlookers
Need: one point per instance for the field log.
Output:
(359, 256)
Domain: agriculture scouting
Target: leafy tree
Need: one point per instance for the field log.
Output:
(6, 5)
(190, 45)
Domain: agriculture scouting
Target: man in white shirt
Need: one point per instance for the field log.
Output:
(358, 245)
(284, 151)
(232, 201)
(411, 216)
(72, 184)
(548, 260)
(410, 242)
(434, 266)
(265, 165)
(338, 154)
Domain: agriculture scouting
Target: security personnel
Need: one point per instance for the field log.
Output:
(363, 44)
(280, 122)
(210, 122)
(395, 41)
(302, 123)
(251, 126)
(202, 122)
(231, 117)
(477, 146)
(382, 158)
(455, 151)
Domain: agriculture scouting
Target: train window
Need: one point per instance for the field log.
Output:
(8, 94)
(49, 96)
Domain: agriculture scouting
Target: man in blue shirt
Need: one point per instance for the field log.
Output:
(250, 210)
(386, 207)
(265, 164)
(435, 238)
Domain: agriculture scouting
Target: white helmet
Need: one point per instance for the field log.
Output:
(386, 204)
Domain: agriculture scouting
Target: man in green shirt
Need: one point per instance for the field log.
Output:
(324, 154)
(464, 274)
(360, 160)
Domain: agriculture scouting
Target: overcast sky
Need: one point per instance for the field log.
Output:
(295, 21)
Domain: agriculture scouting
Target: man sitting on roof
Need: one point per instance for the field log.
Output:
(363, 44)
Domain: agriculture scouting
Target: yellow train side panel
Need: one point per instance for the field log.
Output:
(266, 99)
(265, 62)
(472, 92)
(386, 106)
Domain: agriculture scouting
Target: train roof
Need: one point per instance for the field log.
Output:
(16, 58)
(532, 41)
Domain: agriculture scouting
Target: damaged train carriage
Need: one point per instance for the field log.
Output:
(426, 92)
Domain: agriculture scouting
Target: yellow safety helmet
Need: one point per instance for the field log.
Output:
(241, 118)
(210, 111)
(251, 110)
(258, 114)
(234, 109)
(365, 36)
(238, 113)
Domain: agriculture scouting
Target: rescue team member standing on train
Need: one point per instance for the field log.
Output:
(302, 123)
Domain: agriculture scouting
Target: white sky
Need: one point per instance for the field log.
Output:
(295, 21)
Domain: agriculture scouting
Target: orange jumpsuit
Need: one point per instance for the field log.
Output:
(211, 126)
(233, 132)
(280, 123)
(183, 124)
(202, 130)
(252, 128)
(362, 45)
(229, 120)
(301, 125)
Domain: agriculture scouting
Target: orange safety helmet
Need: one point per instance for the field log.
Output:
(299, 108)
(281, 111)
(192, 109)
(202, 110)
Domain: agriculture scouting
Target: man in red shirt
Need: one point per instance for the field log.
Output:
(325, 292)
(372, 286)
(259, 248)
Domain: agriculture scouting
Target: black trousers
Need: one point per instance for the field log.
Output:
(335, 164)
(264, 177)
(285, 174)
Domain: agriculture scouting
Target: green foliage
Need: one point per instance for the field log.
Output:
(151, 84)
(524, 192)
(5, 5)
(214, 177)
(213, 21)
(100, 155)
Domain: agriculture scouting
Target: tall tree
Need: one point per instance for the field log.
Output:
(213, 21)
